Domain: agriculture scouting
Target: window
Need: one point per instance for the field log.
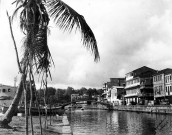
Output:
(3, 90)
(166, 79)
(9, 90)
(154, 78)
(134, 81)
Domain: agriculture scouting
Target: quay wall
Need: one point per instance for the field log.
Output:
(159, 109)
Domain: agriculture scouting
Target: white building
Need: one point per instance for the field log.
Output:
(114, 95)
(114, 90)
(6, 94)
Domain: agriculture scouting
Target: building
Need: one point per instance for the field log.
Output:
(7, 94)
(117, 95)
(139, 85)
(114, 90)
(162, 84)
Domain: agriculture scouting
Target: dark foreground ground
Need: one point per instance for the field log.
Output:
(18, 126)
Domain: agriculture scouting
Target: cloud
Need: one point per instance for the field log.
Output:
(130, 34)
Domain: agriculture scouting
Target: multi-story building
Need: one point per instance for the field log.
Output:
(162, 83)
(114, 90)
(139, 85)
(117, 94)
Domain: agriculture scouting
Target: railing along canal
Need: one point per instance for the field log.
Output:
(165, 109)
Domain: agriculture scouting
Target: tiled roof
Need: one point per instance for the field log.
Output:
(164, 71)
(2, 85)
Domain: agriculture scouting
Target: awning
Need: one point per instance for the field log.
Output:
(131, 95)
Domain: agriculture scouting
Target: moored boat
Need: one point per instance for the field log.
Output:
(50, 111)
(35, 110)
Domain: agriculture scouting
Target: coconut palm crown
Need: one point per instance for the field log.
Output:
(34, 19)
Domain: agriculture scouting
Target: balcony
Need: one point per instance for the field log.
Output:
(145, 95)
(146, 83)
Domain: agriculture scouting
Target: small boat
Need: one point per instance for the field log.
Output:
(43, 111)
(35, 112)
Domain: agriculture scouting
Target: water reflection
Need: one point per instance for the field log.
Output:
(101, 122)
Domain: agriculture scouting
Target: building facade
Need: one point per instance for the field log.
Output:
(162, 84)
(114, 90)
(117, 95)
(139, 85)
(7, 94)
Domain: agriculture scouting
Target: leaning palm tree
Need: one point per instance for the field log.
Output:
(34, 19)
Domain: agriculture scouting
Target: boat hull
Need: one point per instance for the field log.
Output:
(35, 111)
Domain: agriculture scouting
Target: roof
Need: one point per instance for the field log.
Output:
(143, 72)
(164, 71)
(2, 85)
(143, 69)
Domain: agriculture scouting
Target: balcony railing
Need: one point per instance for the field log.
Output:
(146, 83)
(145, 94)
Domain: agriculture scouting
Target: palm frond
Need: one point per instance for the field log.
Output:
(67, 19)
(19, 5)
(34, 22)
(37, 51)
(15, 12)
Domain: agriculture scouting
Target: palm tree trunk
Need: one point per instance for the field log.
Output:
(26, 111)
(7, 118)
(45, 108)
(31, 100)
(50, 113)
(40, 122)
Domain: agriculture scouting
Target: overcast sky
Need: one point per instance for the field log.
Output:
(130, 34)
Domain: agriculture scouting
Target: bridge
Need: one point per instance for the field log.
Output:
(108, 105)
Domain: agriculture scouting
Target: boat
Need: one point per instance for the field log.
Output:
(35, 111)
(82, 108)
(7, 94)
(50, 111)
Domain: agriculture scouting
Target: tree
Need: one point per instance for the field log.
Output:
(67, 94)
(83, 91)
(90, 93)
(100, 91)
(34, 19)
(59, 94)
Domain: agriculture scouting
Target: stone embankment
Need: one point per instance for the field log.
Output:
(158, 109)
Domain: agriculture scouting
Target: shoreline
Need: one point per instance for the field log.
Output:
(59, 125)
(145, 109)
(156, 109)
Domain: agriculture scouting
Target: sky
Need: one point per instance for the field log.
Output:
(129, 33)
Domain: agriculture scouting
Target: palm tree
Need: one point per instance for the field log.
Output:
(34, 19)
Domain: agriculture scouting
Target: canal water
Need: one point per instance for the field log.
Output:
(103, 122)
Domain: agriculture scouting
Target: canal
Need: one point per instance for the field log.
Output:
(103, 122)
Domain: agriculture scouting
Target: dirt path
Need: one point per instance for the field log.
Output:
(18, 126)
